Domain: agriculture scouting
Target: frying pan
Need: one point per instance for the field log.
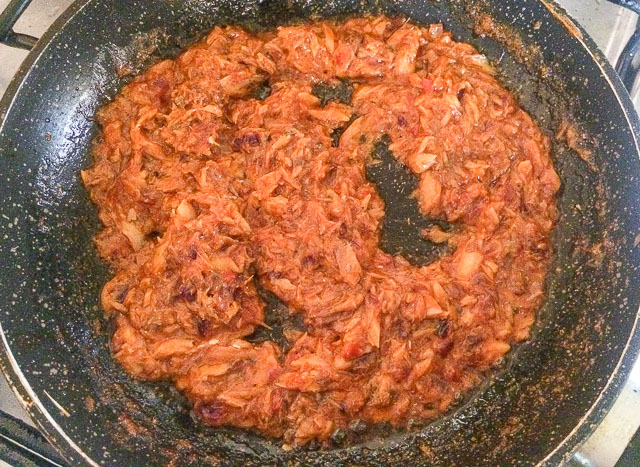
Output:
(537, 407)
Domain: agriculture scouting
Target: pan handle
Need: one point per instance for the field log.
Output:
(625, 66)
(21, 444)
(8, 18)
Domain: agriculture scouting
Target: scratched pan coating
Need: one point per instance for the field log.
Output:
(538, 406)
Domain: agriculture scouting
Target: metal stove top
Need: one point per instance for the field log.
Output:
(609, 25)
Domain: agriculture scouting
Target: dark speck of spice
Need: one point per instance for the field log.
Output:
(121, 296)
(461, 93)
(262, 91)
(246, 140)
(402, 121)
(193, 252)
(444, 328)
(253, 139)
(205, 329)
(343, 230)
(187, 293)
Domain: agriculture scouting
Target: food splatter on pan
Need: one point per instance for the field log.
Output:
(229, 173)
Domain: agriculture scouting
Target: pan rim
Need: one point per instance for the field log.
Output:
(620, 374)
(587, 424)
(18, 383)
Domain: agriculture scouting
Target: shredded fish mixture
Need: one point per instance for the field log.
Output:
(219, 174)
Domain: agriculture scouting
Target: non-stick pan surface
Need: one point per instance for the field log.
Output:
(539, 405)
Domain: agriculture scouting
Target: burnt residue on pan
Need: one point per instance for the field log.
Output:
(59, 336)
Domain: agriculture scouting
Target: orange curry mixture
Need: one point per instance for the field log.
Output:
(209, 193)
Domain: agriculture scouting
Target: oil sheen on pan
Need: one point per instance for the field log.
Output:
(226, 176)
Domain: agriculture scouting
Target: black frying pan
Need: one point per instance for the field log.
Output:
(537, 407)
